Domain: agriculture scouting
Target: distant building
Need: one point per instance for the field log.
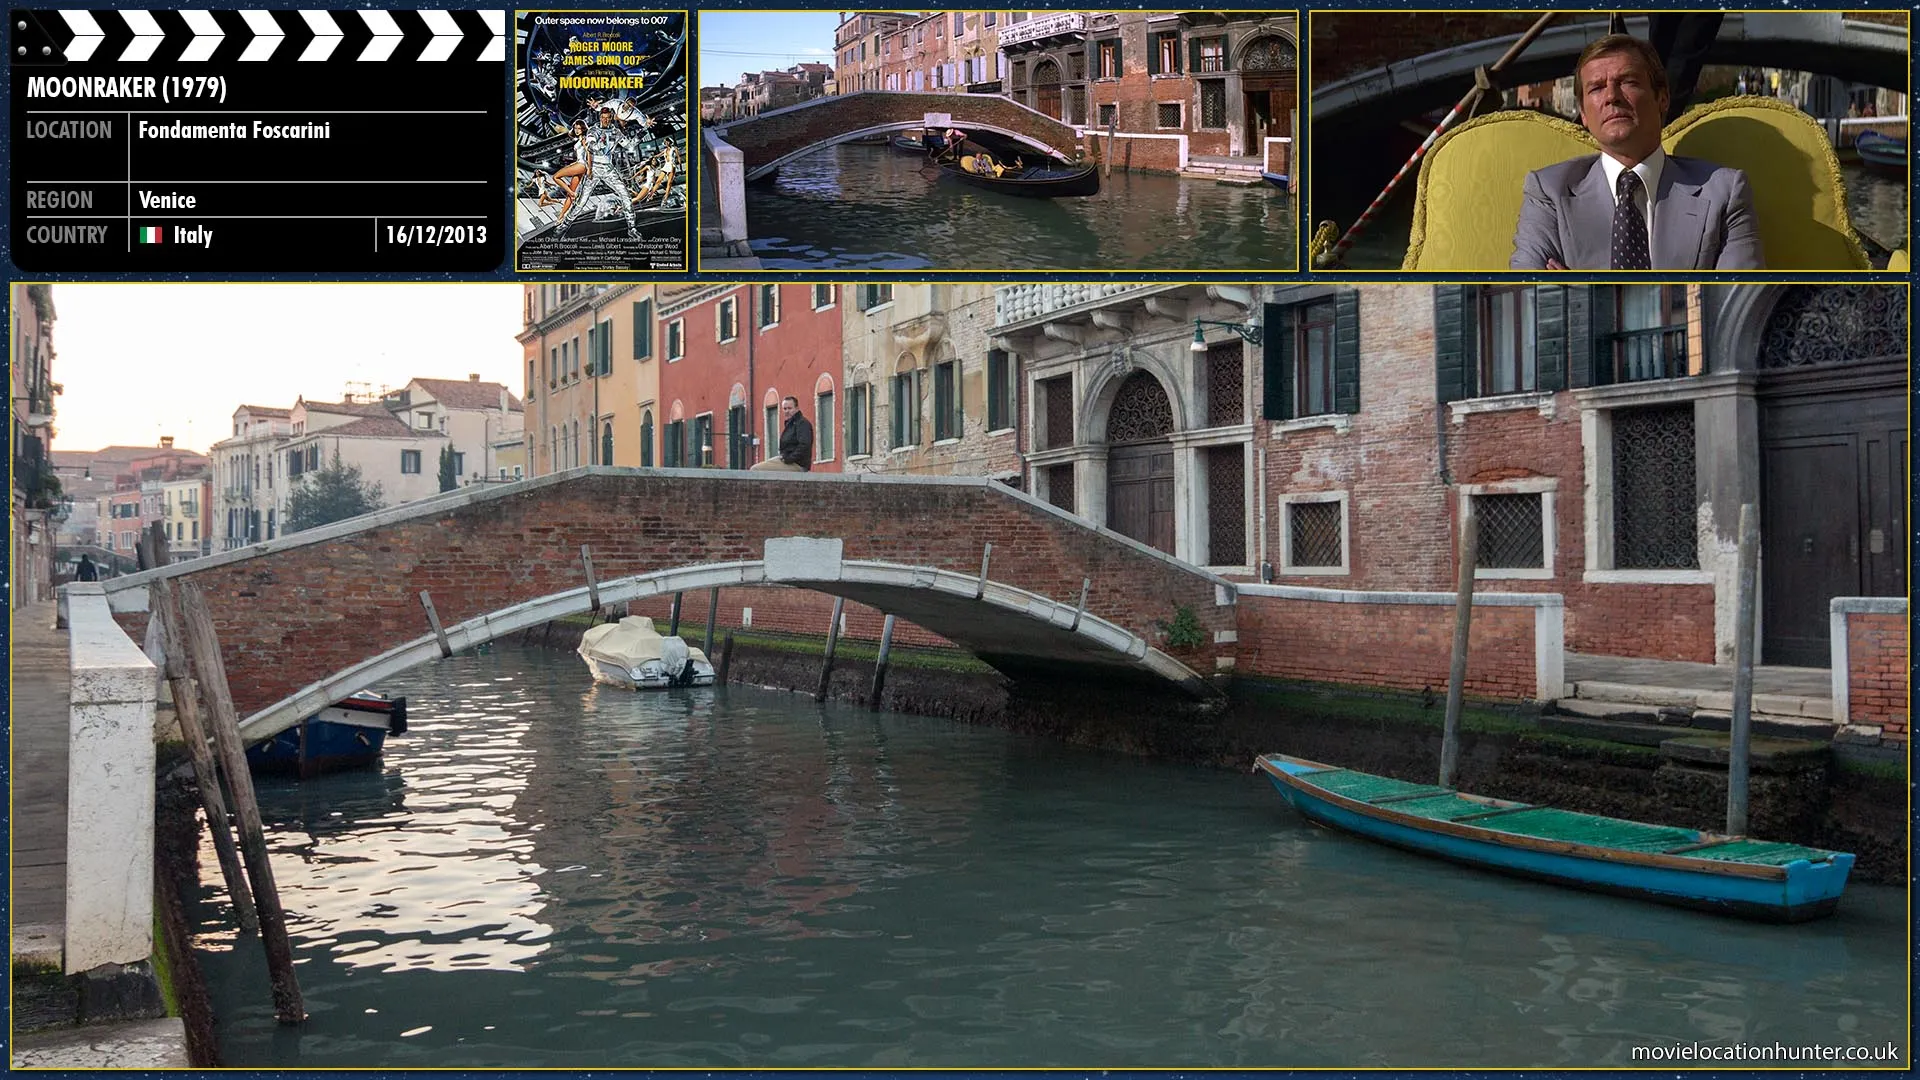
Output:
(857, 48)
(474, 415)
(187, 515)
(403, 460)
(246, 508)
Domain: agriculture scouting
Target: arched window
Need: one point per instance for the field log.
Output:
(573, 451)
(606, 444)
(646, 438)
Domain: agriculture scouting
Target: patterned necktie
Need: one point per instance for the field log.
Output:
(1629, 227)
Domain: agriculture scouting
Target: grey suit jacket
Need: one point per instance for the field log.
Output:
(1703, 218)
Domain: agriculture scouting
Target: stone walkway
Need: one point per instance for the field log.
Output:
(37, 736)
(37, 732)
(1783, 681)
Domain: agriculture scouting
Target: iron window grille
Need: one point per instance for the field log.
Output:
(1313, 534)
(1511, 533)
(1654, 499)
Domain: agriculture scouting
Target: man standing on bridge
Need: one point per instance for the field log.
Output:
(796, 441)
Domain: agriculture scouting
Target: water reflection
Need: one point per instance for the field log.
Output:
(566, 876)
(872, 208)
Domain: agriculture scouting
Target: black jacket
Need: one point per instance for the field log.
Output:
(796, 442)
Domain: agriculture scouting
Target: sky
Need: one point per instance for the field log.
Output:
(145, 360)
(735, 42)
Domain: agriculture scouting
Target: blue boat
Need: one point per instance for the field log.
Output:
(1278, 180)
(1685, 867)
(1885, 154)
(345, 735)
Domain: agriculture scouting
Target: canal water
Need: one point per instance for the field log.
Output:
(1877, 204)
(545, 873)
(873, 208)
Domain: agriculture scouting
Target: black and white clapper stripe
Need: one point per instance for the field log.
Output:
(254, 36)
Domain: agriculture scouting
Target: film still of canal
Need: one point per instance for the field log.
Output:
(553, 873)
(981, 140)
(1792, 99)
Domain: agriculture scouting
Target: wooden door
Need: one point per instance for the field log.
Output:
(1140, 493)
(1833, 472)
(1049, 101)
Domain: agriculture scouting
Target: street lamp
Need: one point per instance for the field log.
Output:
(1249, 332)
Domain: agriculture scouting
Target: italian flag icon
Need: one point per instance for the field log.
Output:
(149, 234)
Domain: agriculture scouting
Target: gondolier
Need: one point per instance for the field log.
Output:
(607, 150)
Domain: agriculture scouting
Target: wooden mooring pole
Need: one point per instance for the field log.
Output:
(880, 665)
(713, 616)
(673, 619)
(1743, 620)
(204, 649)
(726, 660)
(1462, 625)
(833, 639)
(186, 706)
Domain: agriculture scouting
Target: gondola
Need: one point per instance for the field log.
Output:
(1052, 180)
(908, 144)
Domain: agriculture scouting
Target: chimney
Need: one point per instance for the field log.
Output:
(503, 399)
(473, 377)
(166, 442)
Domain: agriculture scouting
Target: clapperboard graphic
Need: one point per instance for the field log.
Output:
(285, 142)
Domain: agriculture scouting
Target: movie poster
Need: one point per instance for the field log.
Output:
(601, 132)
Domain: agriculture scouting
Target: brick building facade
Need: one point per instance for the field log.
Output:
(729, 354)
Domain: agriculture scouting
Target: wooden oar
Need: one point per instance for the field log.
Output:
(1481, 84)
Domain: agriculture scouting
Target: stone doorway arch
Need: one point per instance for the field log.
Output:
(1832, 372)
(1140, 462)
(1046, 88)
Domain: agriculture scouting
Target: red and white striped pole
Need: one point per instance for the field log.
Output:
(1333, 255)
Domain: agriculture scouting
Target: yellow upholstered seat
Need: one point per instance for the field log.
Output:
(1467, 204)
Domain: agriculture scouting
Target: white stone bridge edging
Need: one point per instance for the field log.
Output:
(312, 698)
(110, 777)
(1549, 620)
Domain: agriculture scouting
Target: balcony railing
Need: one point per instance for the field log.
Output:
(1639, 355)
(1211, 65)
(1044, 26)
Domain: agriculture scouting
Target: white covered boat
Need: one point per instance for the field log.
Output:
(632, 655)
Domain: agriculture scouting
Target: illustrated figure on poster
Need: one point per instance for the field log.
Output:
(656, 176)
(568, 177)
(607, 151)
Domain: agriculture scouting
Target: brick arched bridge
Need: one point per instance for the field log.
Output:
(771, 138)
(1426, 61)
(308, 618)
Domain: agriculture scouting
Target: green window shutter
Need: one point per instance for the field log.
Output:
(1276, 364)
(642, 329)
(1346, 351)
(1153, 54)
(1603, 307)
(1193, 55)
(1550, 335)
(1119, 64)
(1450, 357)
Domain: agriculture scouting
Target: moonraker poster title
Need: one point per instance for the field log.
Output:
(601, 141)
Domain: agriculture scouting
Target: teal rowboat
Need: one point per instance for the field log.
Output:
(1727, 874)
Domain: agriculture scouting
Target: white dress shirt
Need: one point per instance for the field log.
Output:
(1649, 173)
